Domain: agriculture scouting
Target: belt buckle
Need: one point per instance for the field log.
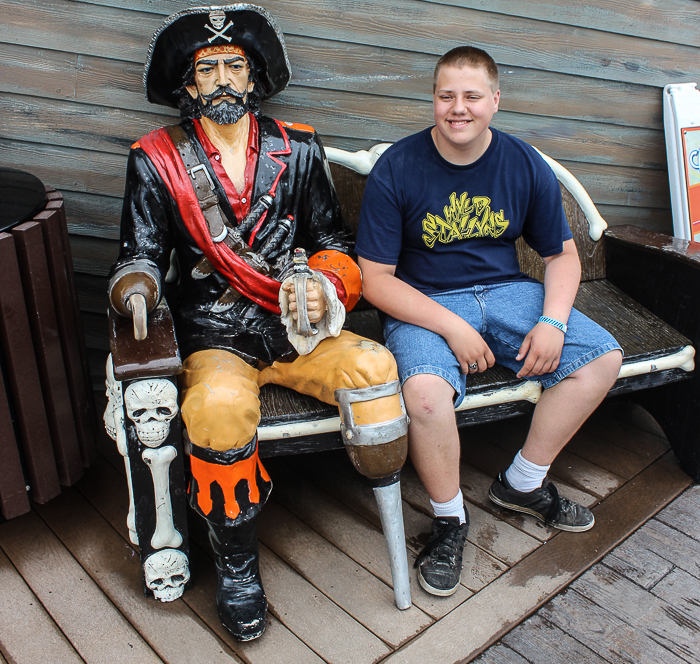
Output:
(201, 167)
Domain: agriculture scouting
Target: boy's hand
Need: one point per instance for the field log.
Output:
(469, 348)
(542, 345)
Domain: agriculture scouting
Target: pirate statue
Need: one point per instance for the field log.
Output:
(220, 212)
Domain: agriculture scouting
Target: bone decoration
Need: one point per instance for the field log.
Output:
(151, 405)
(159, 461)
(166, 573)
(114, 413)
(596, 223)
(114, 424)
(362, 161)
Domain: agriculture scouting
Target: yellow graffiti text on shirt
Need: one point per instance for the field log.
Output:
(464, 218)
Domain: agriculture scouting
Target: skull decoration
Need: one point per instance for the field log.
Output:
(167, 571)
(217, 18)
(114, 413)
(151, 405)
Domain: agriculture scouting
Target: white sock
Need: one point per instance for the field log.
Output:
(454, 507)
(523, 475)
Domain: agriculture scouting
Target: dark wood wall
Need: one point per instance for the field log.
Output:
(581, 81)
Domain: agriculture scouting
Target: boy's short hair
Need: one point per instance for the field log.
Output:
(468, 56)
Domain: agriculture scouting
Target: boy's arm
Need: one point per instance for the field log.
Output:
(403, 302)
(543, 344)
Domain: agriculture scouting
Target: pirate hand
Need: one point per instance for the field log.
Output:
(325, 313)
(315, 300)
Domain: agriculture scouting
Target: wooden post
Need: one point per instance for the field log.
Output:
(23, 378)
(31, 256)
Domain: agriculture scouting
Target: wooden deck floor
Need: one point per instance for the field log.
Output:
(641, 604)
(70, 589)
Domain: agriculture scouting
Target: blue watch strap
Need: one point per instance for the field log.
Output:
(551, 321)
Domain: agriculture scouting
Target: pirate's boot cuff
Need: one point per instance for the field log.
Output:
(228, 488)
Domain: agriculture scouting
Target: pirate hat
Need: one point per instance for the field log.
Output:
(187, 31)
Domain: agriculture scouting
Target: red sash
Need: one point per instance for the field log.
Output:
(162, 152)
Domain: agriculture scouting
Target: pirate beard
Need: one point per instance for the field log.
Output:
(227, 111)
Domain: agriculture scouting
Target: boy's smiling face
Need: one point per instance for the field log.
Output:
(463, 105)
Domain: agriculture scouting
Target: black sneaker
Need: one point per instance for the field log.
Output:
(544, 503)
(440, 562)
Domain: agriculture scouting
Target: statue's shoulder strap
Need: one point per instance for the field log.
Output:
(201, 182)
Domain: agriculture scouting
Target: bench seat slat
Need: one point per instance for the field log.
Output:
(637, 330)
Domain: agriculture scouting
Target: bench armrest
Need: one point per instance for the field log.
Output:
(157, 355)
(660, 272)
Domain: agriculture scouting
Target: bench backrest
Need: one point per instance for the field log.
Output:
(350, 186)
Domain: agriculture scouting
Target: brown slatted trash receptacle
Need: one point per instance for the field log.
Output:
(47, 414)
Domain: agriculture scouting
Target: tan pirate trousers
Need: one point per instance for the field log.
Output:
(220, 392)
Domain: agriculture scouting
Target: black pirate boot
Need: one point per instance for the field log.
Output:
(228, 489)
(240, 597)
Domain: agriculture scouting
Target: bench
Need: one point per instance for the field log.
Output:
(643, 287)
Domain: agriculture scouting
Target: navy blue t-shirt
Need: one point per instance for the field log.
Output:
(446, 226)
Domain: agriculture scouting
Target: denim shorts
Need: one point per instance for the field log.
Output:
(503, 314)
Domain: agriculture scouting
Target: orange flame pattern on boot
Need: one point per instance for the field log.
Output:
(227, 477)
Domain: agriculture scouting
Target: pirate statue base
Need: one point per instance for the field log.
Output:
(220, 213)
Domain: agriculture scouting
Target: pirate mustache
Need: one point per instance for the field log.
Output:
(221, 92)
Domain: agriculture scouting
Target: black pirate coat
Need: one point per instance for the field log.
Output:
(152, 227)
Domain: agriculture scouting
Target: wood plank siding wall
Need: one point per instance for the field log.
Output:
(581, 81)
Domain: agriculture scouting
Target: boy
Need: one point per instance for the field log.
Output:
(440, 216)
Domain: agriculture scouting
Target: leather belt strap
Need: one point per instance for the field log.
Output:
(201, 183)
